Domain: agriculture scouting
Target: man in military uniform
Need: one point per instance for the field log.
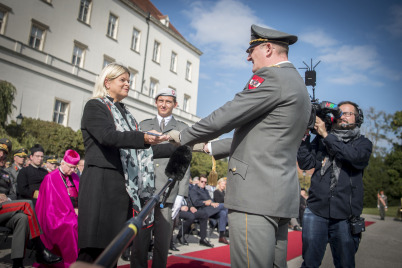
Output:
(269, 117)
(20, 216)
(51, 163)
(164, 121)
(20, 156)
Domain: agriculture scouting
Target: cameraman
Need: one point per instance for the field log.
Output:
(339, 157)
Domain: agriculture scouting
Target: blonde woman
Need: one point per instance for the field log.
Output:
(117, 156)
(219, 193)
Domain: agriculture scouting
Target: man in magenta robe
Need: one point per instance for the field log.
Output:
(57, 209)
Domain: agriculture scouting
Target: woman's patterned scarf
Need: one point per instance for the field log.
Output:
(137, 163)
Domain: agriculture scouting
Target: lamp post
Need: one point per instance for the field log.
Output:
(19, 119)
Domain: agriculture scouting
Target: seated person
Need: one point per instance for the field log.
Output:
(30, 177)
(219, 193)
(20, 217)
(189, 213)
(51, 163)
(201, 200)
(57, 209)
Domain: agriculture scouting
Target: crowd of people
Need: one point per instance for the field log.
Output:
(77, 216)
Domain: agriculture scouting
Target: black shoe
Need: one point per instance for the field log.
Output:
(182, 240)
(47, 257)
(204, 242)
(18, 263)
(126, 255)
(173, 247)
(297, 228)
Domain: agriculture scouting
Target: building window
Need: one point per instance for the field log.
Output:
(60, 112)
(4, 10)
(157, 48)
(78, 54)
(153, 87)
(37, 35)
(112, 26)
(107, 60)
(173, 62)
(186, 103)
(85, 11)
(133, 78)
(135, 42)
(188, 71)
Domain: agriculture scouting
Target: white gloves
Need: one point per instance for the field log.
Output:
(174, 136)
(177, 206)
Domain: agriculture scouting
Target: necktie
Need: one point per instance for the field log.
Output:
(162, 125)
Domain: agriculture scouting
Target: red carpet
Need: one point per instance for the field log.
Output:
(368, 223)
(220, 257)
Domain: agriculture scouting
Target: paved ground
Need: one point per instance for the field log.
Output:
(381, 246)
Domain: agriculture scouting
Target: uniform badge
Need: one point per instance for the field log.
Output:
(255, 82)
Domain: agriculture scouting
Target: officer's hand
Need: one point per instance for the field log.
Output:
(199, 147)
(174, 137)
(319, 126)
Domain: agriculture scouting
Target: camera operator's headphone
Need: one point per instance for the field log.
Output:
(360, 116)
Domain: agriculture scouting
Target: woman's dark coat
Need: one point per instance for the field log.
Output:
(104, 204)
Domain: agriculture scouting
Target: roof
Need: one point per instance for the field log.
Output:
(148, 7)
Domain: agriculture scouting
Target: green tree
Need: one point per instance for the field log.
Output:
(375, 179)
(393, 160)
(7, 95)
(202, 164)
(376, 128)
(54, 138)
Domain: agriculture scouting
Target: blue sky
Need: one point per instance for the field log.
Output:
(358, 42)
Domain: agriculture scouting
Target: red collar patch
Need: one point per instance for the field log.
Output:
(255, 82)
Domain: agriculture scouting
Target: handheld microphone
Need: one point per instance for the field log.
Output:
(176, 168)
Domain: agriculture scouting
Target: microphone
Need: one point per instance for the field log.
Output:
(179, 162)
(176, 168)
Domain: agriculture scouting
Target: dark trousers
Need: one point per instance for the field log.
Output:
(318, 232)
(188, 219)
(21, 218)
(162, 231)
(220, 211)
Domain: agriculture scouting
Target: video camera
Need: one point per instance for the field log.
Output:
(325, 110)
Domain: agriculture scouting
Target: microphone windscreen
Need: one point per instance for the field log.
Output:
(179, 162)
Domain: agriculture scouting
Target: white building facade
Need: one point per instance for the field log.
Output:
(53, 50)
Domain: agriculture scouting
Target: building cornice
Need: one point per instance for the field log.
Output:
(162, 26)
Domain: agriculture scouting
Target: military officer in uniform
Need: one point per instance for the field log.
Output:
(20, 156)
(269, 117)
(164, 122)
(51, 163)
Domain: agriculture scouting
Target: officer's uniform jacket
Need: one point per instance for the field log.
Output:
(270, 117)
(181, 187)
(13, 170)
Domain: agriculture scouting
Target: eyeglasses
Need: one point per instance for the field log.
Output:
(69, 166)
(346, 114)
(250, 51)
